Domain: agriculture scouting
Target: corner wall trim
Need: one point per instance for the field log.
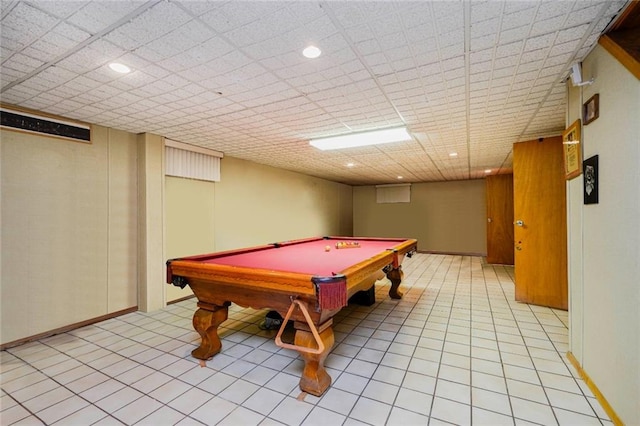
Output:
(596, 392)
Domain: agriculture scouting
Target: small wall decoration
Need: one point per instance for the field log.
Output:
(591, 109)
(572, 151)
(590, 168)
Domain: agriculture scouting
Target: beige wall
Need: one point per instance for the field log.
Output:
(444, 216)
(83, 225)
(605, 260)
(251, 205)
(189, 224)
(69, 230)
(257, 204)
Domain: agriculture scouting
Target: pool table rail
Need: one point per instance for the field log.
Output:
(180, 272)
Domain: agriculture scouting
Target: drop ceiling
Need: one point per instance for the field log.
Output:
(470, 77)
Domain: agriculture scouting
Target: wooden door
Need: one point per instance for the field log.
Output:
(540, 223)
(500, 219)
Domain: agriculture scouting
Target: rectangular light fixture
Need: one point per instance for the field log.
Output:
(353, 140)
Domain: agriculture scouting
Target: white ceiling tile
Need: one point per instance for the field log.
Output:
(513, 34)
(550, 25)
(567, 47)
(94, 16)
(574, 33)
(483, 42)
(513, 9)
(553, 9)
(359, 34)
(235, 68)
(509, 49)
(533, 58)
(10, 76)
(253, 33)
(187, 37)
(507, 62)
(237, 14)
(40, 51)
(24, 24)
(484, 27)
(153, 23)
(539, 42)
(20, 63)
(126, 39)
(18, 94)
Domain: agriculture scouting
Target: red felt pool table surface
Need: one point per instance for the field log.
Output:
(308, 257)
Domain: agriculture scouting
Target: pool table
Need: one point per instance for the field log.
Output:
(307, 281)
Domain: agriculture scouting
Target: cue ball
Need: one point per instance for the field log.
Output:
(327, 248)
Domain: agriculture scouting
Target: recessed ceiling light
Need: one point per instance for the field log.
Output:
(453, 154)
(400, 178)
(118, 67)
(350, 164)
(487, 171)
(311, 52)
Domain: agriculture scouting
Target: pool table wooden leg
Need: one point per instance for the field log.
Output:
(206, 321)
(315, 379)
(395, 276)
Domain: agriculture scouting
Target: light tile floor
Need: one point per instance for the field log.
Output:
(456, 349)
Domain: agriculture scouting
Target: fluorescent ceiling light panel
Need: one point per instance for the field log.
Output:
(353, 140)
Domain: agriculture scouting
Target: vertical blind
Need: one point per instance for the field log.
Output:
(394, 193)
(189, 161)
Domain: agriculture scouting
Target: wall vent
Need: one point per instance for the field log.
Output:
(32, 123)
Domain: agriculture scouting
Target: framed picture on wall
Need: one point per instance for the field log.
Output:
(590, 167)
(591, 109)
(572, 151)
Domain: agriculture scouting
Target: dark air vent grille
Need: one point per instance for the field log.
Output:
(33, 123)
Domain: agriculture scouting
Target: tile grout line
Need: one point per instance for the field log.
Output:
(435, 388)
(495, 331)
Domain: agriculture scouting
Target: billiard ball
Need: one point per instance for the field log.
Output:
(327, 248)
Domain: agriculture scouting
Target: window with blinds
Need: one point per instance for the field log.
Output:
(394, 193)
(191, 162)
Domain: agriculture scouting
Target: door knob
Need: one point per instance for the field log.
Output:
(518, 223)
